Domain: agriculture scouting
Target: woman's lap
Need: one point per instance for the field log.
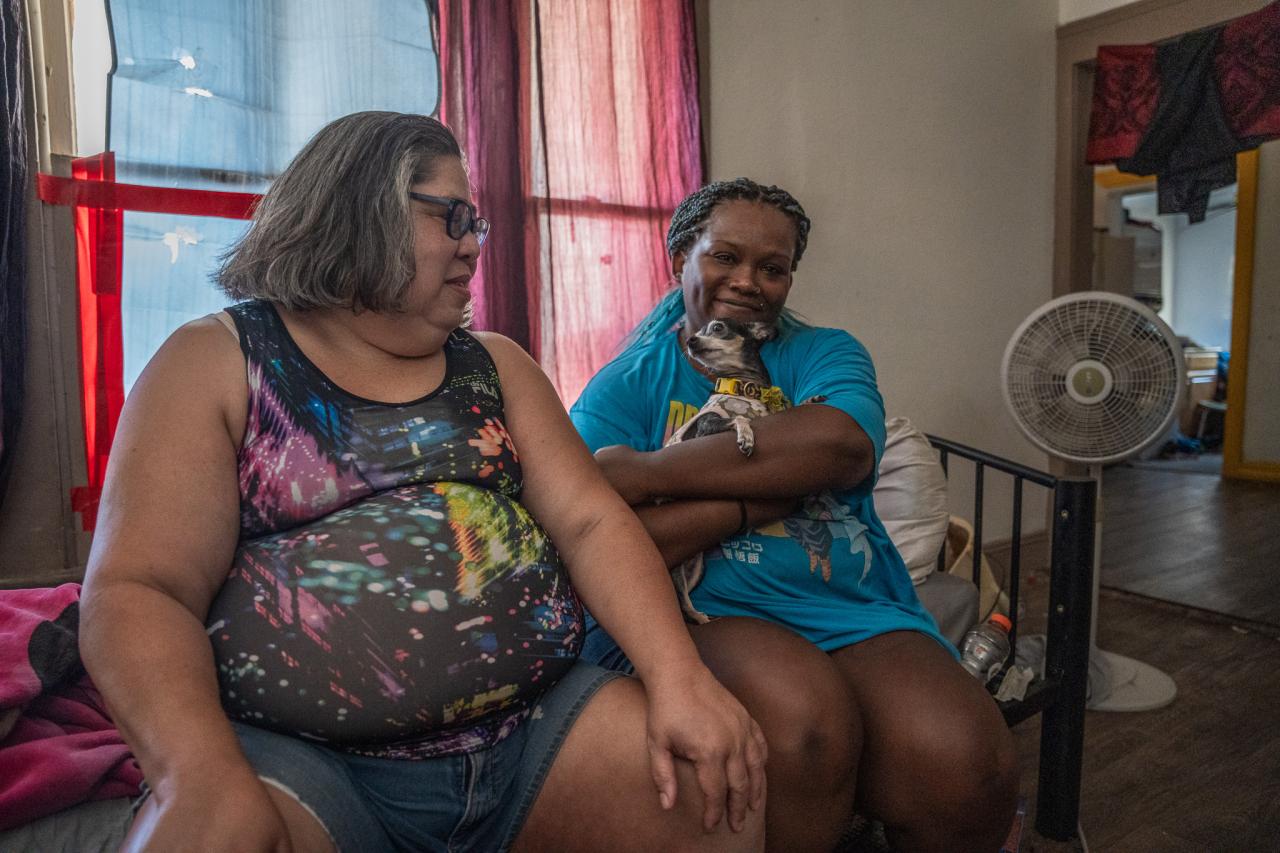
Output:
(466, 802)
(914, 700)
(916, 722)
(600, 793)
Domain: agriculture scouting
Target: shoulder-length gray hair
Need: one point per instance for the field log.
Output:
(335, 229)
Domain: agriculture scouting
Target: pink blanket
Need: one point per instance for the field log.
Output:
(62, 748)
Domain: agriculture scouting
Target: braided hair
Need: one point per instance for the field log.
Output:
(687, 222)
(692, 213)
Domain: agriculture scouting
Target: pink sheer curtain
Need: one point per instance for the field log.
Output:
(485, 53)
(580, 121)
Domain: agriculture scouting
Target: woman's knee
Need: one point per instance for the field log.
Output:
(600, 795)
(982, 773)
(973, 802)
(959, 788)
(939, 765)
(795, 693)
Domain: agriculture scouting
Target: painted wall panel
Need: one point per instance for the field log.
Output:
(1262, 414)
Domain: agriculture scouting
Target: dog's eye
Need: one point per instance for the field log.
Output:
(716, 327)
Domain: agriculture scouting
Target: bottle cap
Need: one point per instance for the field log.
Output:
(1001, 620)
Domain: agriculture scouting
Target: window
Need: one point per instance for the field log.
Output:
(220, 96)
(202, 100)
(580, 123)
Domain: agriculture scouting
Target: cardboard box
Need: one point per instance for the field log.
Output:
(1200, 386)
(1201, 358)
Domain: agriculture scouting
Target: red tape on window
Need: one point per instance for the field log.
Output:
(112, 196)
(99, 204)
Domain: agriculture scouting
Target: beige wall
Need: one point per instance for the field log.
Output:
(1074, 10)
(919, 136)
(1262, 386)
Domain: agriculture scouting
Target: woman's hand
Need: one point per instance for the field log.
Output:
(619, 574)
(210, 811)
(692, 716)
(627, 472)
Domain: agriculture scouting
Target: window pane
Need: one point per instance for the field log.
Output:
(222, 95)
(169, 261)
(610, 270)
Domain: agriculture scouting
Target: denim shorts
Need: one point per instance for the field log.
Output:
(602, 650)
(474, 801)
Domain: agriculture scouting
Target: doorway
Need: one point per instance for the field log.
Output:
(1184, 272)
(1193, 537)
(1150, 21)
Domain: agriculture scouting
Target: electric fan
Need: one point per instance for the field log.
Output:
(1095, 378)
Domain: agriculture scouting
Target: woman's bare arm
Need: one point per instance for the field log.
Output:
(620, 576)
(683, 528)
(800, 451)
(165, 537)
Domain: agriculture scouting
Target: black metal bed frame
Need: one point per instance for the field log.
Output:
(1060, 696)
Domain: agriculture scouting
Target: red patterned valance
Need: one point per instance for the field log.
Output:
(1183, 109)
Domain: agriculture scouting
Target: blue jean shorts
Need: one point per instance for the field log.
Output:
(474, 801)
(602, 650)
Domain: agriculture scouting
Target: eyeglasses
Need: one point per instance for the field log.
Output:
(459, 217)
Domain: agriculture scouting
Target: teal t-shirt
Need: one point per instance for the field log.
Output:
(830, 574)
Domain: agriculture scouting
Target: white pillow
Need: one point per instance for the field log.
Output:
(911, 497)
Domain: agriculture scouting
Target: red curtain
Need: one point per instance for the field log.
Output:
(484, 63)
(580, 123)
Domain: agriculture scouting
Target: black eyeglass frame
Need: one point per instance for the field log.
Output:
(454, 225)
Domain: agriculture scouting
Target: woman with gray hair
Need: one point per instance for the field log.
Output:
(332, 600)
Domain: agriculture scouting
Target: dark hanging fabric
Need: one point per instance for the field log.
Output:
(1184, 109)
(1188, 144)
(13, 249)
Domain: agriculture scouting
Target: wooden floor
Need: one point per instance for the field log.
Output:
(1191, 585)
(1203, 774)
(1199, 776)
(1194, 539)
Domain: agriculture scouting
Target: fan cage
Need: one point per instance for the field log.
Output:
(1138, 349)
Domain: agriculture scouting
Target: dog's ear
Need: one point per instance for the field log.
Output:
(761, 331)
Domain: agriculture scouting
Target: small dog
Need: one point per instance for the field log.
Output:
(730, 351)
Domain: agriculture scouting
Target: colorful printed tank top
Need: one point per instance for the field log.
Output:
(389, 596)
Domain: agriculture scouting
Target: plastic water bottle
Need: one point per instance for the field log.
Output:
(986, 647)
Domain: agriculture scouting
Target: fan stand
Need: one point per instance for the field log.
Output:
(1116, 682)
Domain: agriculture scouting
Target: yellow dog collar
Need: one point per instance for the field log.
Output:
(770, 395)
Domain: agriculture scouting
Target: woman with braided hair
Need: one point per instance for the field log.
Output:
(861, 700)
